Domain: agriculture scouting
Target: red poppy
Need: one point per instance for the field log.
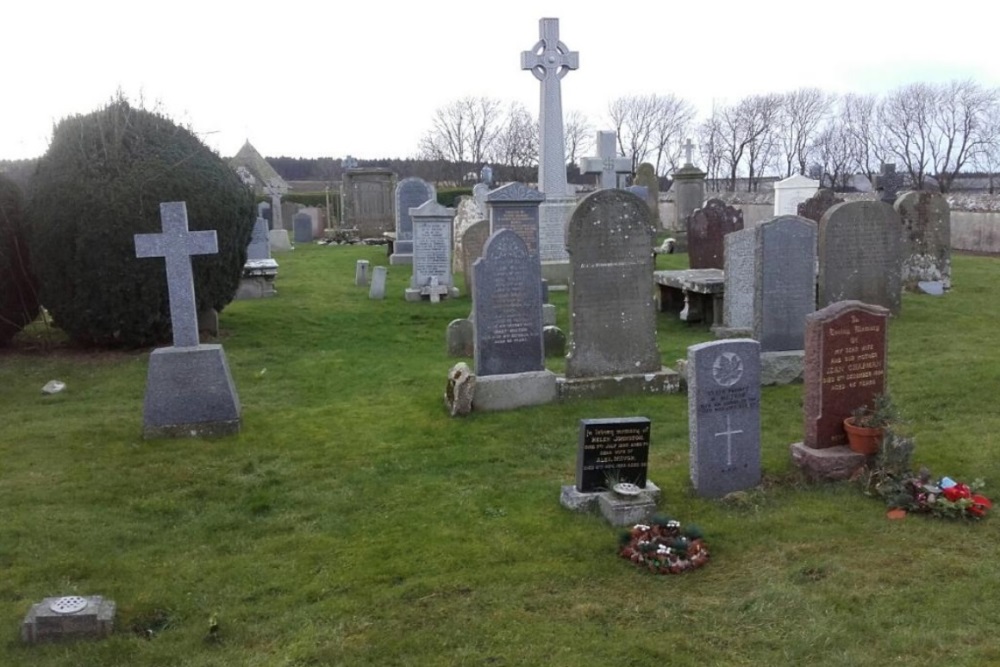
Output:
(957, 492)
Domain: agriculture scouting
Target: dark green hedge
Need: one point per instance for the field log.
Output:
(100, 183)
(18, 289)
(449, 196)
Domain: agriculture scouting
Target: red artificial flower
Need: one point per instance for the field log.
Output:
(979, 505)
(957, 492)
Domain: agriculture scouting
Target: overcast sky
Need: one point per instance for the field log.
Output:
(363, 77)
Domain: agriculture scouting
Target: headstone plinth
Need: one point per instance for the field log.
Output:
(279, 240)
(511, 391)
(70, 617)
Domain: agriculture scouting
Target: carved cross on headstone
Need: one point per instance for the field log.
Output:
(607, 163)
(176, 244)
(688, 148)
(549, 61)
(729, 433)
(889, 183)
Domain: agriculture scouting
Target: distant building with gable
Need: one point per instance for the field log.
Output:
(256, 172)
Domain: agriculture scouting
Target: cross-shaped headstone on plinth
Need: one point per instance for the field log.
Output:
(889, 183)
(549, 61)
(176, 244)
(607, 163)
(688, 148)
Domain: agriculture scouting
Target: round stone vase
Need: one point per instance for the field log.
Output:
(861, 439)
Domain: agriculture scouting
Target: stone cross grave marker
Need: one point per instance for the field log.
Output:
(508, 307)
(707, 227)
(607, 163)
(176, 245)
(724, 416)
(611, 451)
(688, 149)
(549, 60)
(860, 256)
(889, 183)
(612, 312)
(410, 193)
(926, 250)
(274, 190)
(845, 366)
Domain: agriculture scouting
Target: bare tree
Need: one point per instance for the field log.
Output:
(987, 158)
(710, 146)
(673, 118)
(646, 124)
(833, 152)
(516, 144)
(747, 136)
(579, 134)
(802, 113)
(961, 127)
(462, 131)
(859, 113)
(908, 116)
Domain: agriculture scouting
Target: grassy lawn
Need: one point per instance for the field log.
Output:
(354, 523)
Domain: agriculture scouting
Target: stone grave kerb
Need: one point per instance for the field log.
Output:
(176, 245)
(608, 164)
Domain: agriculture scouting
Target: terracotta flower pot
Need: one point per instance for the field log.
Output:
(862, 440)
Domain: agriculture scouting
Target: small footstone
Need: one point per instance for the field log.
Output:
(827, 464)
(68, 617)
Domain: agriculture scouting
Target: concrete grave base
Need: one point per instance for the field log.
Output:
(781, 367)
(827, 464)
(514, 390)
(190, 393)
(259, 287)
(95, 620)
(430, 293)
(665, 381)
(279, 240)
(398, 259)
(616, 510)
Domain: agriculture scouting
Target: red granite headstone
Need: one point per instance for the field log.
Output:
(706, 229)
(845, 365)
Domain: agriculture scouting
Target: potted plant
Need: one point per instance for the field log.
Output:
(867, 425)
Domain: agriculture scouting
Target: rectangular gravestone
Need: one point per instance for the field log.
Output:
(724, 416)
(784, 282)
(260, 244)
(302, 224)
(508, 307)
(845, 365)
(926, 247)
(515, 206)
(410, 193)
(611, 451)
(473, 241)
(377, 290)
(432, 226)
(706, 229)
(740, 263)
(860, 255)
(612, 310)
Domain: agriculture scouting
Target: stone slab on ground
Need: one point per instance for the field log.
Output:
(665, 381)
(828, 464)
(514, 390)
(95, 618)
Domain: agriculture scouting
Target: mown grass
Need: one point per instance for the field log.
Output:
(353, 523)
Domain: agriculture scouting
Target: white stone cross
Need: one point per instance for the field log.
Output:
(549, 61)
(688, 147)
(177, 244)
(607, 163)
(729, 433)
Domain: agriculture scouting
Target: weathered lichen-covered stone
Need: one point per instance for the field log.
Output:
(707, 227)
(926, 242)
(814, 207)
(645, 176)
(460, 390)
(473, 241)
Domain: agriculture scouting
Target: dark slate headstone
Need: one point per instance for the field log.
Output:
(859, 255)
(508, 307)
(814, 207)
(432, 226)
(724, 416)
(845, 364)
(707, 227)
(260, 243)
(302, 225)
(784, 282)
(612, 311)
(473, 241)
(410, 193)
(926, 219)
(515, 207)
(612, 451)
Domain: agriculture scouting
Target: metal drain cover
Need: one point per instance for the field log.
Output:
(68, 605)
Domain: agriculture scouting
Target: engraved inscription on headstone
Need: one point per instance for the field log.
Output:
(611, 451)
(515, 207)
(432, 226)
(740, 268)
(410, 193)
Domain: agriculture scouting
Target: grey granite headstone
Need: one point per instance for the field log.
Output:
(473, 241)
(706, 229)
(432, 226)
(260, 244)
(859, 255)
(361, 273)
(612, 310)
(69, 617)
(515, 207)
(377, 290)
(302, 224)
(926, 249)
(740, 263)
(724, 416)
(410, 193)
(611, 451)
(189, 389)
(508, 307)
(784, 282)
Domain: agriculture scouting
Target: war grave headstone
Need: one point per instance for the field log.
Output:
(361, 273)
(607, 164)
(612, 348)
(814, 207)
(259, 271)
(611, 453)
(432, 225)
(706, 229)
(410, 193)
(367, 200)
(724, 416)
(467, 213)
(845, 367)
(645, 177)
(70, 616)
(302, 226)
(189, 389)
(689, 193)
(377, 290)
(549, 60)
(926, 245)
(510, 359)
(859, 255)
(791, 192)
